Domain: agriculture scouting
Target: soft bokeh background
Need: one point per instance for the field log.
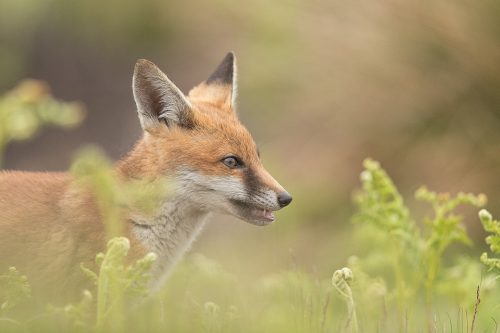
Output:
(322, 85)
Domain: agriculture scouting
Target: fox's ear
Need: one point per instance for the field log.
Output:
(220, 87)
(158, 99)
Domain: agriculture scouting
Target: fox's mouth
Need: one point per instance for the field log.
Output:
(263, 214)
(254, 214)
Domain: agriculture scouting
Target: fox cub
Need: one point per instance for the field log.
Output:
(47, 228)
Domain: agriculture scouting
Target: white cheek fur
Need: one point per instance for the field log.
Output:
(217, 191)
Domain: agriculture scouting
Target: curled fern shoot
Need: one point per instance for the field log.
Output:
(341, 281)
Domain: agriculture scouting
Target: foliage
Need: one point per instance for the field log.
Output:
(341, 280)
(79, 315)
(116, 282)
(93, 172)
(117, 285)
(201, 296)
(493, 227)
(28, 107)
(14, 289)
(406, 280)
(415, 253)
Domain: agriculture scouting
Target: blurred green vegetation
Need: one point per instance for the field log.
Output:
(321, 85)
(493, 240)
(28, 107)
(398, 283)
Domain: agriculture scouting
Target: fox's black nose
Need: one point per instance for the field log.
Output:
(284, 199)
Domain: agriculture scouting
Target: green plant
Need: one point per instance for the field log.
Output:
(79, 314)
(28, 107)
(493, 227)
(381, 213)
(414, 254)
(341, 280)
(94, 173)
(116, 282)
(443, 229)
(14, 289)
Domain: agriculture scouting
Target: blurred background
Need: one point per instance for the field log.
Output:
(322, 85)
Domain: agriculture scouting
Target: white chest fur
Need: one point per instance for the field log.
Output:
(169, 235)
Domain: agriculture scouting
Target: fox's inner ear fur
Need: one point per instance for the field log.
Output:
(158, 99)
(220, 87)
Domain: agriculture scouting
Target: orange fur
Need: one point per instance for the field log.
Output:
(48, 226)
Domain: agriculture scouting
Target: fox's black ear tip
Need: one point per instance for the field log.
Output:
(230, 56)
(225, 71)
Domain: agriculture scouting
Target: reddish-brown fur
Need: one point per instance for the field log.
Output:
(219, 131)
(48, 226)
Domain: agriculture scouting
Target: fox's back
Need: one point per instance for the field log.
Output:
(29, 196)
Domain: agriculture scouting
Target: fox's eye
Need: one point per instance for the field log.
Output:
(232, 162)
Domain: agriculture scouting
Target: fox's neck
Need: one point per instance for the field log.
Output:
(169, 234)
(171, 231)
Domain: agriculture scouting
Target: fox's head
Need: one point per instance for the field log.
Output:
(199, 141)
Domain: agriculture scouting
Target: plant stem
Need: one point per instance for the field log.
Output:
(478, 300)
